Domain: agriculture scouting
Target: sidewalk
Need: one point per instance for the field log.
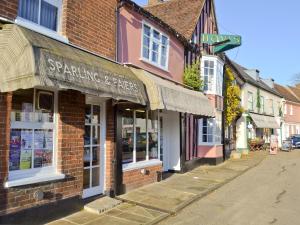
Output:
(154, 202)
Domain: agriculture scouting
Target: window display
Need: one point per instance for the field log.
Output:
(32, 130)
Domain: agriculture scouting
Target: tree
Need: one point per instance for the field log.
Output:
(191, 76)
(232, 98)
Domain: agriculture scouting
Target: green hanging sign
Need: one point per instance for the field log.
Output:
(221, 42)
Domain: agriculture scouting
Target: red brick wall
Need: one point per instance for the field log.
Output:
(110, 145)
(9, 9)
(91, 24)
(70, 156)
(135, 179)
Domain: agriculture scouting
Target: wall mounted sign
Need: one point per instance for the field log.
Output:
(221, 42)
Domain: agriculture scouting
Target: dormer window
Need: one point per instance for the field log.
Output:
(155, 47)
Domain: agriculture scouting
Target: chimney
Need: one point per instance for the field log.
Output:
(154, 2)
(254, 73)
(269, 82)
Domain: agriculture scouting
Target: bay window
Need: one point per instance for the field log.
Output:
(155, 47)
(208, 75)
(32, 134)
(140, 133)
(250, 101)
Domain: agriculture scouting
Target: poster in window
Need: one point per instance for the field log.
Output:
(26, 139)
(15, 150)
(42, 158)
(25, 159)
(49, 139)
(39, 139)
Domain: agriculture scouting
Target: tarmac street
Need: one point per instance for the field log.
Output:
(266, 194)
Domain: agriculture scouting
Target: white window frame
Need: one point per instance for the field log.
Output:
(148, 162)
(41, 29)
(215, 81)
(152, 28)
(215, 134)
(285, 109)
(34, 175)
(291, 110)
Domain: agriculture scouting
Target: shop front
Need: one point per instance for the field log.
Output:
(152, 139)
(57, 119)
(260, 129)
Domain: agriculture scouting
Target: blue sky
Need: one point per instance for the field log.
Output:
(270, 31)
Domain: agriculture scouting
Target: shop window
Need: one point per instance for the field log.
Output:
(155, 47)
(140, 132)
(262, 104)
(42, 12)
(32, 132)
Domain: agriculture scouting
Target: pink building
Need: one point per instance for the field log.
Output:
(290, 110)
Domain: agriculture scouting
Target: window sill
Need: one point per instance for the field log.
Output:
(35, 179)
(40, 29)
(140, 165)
(165, 69)
(208, 144)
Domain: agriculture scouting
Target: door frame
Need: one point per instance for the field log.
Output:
(102, 180)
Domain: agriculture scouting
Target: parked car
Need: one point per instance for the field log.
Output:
(295, 140)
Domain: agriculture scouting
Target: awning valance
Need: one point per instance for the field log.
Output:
(29, 59)
(262, 121)
(165, 94)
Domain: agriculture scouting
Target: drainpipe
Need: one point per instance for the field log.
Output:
(223, 113)
(117, 12)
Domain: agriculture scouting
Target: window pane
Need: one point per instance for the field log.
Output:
(95, 177)
(205, 71)
(96, 114)
(163, 61)
(87, 135)
(86, 178)
(211, 64)
(127, 135)
(211, 72)
(86, 156)
(154, 57)
(153, 134)
(22, 106)
(88, 115)
(156, 34)
(48, 15)
(141, 136)
(96, 134)
(205, 63)
(155, 47)
(29, 9)
(146, 30)
(146, 41)
(96, 156)
(43, 148)
(146, 52)
(44, 106)
(164, 40)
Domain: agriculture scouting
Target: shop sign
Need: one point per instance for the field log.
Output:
(220, 42)
(89, 76)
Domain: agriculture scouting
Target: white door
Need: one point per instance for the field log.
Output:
(93, 157)
(170, 130)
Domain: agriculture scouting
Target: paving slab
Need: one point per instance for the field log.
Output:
(101, 205)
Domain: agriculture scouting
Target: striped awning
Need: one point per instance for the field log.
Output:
(165, 94)
(29, 59)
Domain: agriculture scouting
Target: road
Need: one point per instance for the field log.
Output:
(266, 194)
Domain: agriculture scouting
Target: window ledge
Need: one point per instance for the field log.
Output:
(34, 179)
(40, 29)
(140, 165)
(165, 69)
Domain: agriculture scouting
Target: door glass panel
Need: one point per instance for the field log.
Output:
(87, 135)
(87, 113)
(96, 135)
(86, 178)
(96, 156)
(95, 176)
(153, 134)
(96, 114)
(141, 135)
(86, 156)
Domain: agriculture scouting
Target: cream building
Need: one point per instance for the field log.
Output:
(262, 106)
